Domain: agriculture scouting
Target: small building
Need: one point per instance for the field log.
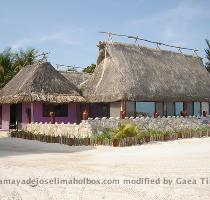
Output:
(128, 78)
(141, 80)
(34, 92)
(98, 109)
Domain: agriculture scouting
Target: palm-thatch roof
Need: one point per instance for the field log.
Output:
(138, 73)
(75, 77)
(40, 82)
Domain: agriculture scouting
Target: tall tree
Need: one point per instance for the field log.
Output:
(89, 69)
(6, 66)
(1, 71)
(207, 50)
(12, 62)
(23, 58)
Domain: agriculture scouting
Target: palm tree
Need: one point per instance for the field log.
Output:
(6, 66)
(1, 71)
(207, 50)
(23, 58)
(12, 62)
(89, 69)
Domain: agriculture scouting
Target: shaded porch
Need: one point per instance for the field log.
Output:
(147, 109)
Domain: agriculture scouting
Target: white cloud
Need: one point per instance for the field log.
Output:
(59, 37)
(182, 12)
(173, 21)
(177, 25)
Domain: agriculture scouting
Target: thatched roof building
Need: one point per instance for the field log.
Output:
(75, 77)
(40, 82)
(137, 73)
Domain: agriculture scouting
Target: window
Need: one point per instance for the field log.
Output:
(145, 109)
(179, 106)
(189, 107)
(197, 108)
(159, 107)
(170, 108)
(60, 110)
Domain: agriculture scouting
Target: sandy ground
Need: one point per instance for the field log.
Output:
(186, 159)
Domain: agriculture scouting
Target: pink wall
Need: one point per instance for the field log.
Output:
(24, 107)
(72, 114)
(5, 116)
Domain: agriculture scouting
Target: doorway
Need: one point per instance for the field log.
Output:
(15, 116)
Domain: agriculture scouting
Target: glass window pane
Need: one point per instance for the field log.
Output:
(160, 108)
(179, 108)
(170, 108)
(47, 108)
(60, 110)
(197, 108)
(145, 109)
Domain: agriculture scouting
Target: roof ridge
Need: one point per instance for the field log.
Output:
(76, 72)
(101, 43)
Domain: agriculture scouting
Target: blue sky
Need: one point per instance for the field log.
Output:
(69, 28)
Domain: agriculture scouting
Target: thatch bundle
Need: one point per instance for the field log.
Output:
(138, 73)
(75, 77)
(40, 82)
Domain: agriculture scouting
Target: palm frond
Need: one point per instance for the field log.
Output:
(207, 50)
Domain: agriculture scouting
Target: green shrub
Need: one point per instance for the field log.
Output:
(106, 135)
(13, 134)
(167, 133)
(202, 128)
(150, 132)
(127, 130)
(21, 133)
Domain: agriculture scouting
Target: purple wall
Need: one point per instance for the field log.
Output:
(5, 116)
(72, 114)
(38, 114)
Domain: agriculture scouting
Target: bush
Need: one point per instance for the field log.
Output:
(202, 128)
(150, 132)
(13, 134)
(22, 134)
(19, 133)
(127, 130)
(106, 135)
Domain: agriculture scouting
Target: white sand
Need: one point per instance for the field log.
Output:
(188, 158)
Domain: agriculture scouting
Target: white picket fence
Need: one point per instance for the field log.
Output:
(91, 126)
